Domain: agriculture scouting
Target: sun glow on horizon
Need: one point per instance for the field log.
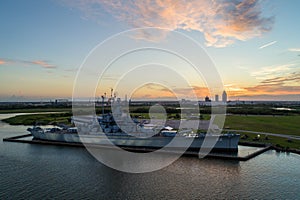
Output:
(255, 49)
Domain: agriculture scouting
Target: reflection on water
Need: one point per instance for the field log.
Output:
(37, 171)
(242, 150)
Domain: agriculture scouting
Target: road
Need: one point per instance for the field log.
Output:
(294, 137)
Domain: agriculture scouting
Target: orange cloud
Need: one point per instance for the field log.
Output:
(2, 62)
(155, 91)
(281, 85)
(200, 92)
(221, 21)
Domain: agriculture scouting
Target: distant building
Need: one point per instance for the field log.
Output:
(61, 101)
(217, 98)
(224, 97)
(207, 99)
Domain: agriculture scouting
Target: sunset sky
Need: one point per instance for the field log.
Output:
(255, 45)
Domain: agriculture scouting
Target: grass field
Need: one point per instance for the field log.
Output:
(278, 124)
(276, 141)
(42, 119)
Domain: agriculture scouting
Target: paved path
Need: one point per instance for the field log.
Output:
(295, 137)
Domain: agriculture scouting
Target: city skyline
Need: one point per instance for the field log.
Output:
(254, 45)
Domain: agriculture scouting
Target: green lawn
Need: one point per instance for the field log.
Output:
(278, 124)
(42, 119)
(276, 141)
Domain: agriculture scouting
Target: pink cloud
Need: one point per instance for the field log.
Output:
(2, 62)
(43, 64)
(221, 21)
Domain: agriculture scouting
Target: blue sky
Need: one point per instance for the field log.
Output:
(43, 43)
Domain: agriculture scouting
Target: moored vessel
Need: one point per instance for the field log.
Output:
(119, 129)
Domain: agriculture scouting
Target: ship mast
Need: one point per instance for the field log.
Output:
(111, 95)
(103, 97)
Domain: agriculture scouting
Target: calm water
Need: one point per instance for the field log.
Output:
(37, 171)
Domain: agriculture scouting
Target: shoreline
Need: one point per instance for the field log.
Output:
(273, 147)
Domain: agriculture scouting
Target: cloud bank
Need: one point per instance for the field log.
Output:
(280, 86)
(222, 22)
(295, 50)
(41, 63)
(273, 71)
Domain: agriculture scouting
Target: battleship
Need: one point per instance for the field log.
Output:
(119, 129)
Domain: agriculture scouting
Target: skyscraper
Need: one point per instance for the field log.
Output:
(216, 98)
(224, 97)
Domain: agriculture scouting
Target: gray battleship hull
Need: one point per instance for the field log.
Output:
(225, 142)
